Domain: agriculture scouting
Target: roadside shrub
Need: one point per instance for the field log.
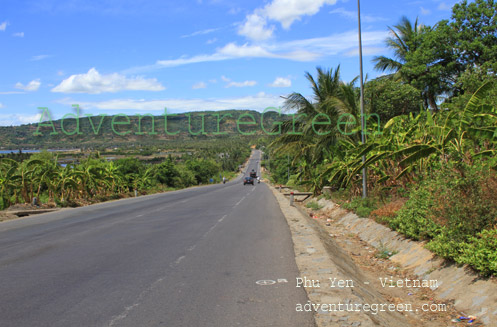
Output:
(481, 252)
(455, 209)
(466, 200)
(446, 246)
(413, 219)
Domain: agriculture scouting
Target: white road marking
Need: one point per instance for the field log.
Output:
(240, 200)
(179, 260)
(222, 218)
(265, 282)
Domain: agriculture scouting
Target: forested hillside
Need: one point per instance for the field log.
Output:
(100, 131)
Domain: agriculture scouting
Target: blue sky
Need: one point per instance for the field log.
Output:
(140, 56)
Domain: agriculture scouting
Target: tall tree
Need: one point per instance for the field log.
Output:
(406, 40)
(403, 41)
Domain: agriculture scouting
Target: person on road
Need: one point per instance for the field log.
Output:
(224, 180)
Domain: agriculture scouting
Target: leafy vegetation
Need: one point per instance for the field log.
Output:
(431, 156)
(93, 178)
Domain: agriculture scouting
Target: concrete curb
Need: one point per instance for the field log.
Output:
(319, 259)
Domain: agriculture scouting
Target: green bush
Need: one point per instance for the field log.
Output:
(413, 219)
(446, 246)
(455, 209)
(481, 252)
(362, 207)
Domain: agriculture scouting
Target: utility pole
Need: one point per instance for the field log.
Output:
(288, 156)
(363, 122)
(268, 163)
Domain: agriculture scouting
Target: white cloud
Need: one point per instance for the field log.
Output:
(255, 27)
(259, 102)
(229, 51)
(34, 85)
(353, 15)
(425, 11)
(234, 10)
(246, 50)
(241, 84)
(288, 11)
(1, 105)
(281, 82)
(94, 83)
(12, 92)
(199, 85)
(202, 32)
(444, 6)
(337, 43)
(18, 34)
(186, 61)
(237, 84)
(297, 50)
(3, 26)
(366, 51)
(210, 41)
(39, 57)
(18, 119)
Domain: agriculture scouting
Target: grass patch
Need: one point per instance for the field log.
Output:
(313, 205)
(362, 207)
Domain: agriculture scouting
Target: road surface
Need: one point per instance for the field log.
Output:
(219, 255)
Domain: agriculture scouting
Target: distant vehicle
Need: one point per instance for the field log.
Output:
(248, 180)
(253, 174)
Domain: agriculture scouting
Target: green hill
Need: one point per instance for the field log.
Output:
(137, 130)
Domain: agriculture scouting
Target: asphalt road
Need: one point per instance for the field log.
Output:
(205, 256)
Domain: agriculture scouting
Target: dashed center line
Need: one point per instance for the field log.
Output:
(179, 260)
(240, 200)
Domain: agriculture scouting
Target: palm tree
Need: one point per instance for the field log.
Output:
(310, 143)
(404, 40)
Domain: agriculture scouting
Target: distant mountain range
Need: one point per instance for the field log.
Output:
(117, 130)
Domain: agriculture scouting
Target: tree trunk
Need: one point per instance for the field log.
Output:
(432, 101)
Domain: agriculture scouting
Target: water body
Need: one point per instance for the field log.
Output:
(29, 151)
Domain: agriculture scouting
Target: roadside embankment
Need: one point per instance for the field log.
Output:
(469, 293)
